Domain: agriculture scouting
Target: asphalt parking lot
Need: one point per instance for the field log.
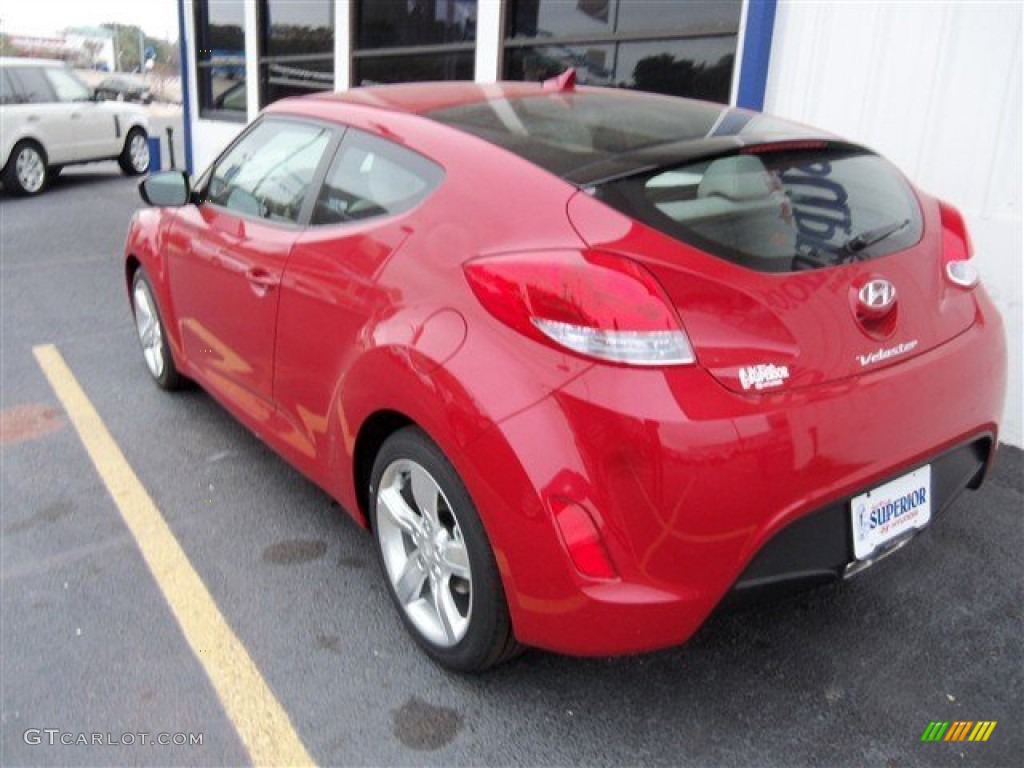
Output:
(845, 676)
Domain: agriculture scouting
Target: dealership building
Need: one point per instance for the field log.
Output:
(935, 87)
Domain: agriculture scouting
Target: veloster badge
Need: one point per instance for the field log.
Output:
(886, 353)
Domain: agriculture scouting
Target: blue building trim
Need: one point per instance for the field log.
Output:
(757, 49)
(185, 95)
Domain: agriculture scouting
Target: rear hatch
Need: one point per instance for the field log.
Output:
(791, 264)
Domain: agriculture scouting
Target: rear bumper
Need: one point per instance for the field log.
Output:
(698, 492)
(817, 548)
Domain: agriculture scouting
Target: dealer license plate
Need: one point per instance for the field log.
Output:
(888, 511)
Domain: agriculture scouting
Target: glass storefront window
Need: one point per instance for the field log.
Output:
(220, 59)
(296, 52)
(398, 23)
(296, 48)
(698, 68)
(601, 18)
(678, 48)
(415, 68)
(414, 40)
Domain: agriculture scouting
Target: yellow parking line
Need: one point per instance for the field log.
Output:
(261, 722)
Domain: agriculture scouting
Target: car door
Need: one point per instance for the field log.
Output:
(335, 291)
(226, 256)
(93, 132)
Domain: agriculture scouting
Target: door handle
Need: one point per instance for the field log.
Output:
(75, 115)
(262, 278)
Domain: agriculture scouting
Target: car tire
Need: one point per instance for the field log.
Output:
(26, 172)
(149, 326)
(134, 159)
(435, 556)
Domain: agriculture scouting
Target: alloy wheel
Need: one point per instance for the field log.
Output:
(31, 169)
(424, 553)
(147, 323)
(138, 151)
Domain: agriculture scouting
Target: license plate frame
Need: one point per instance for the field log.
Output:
(888, 512)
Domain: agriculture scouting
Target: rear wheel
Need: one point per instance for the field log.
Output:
(26, 172)
(435, 555)
(150, 328)
(134, 159)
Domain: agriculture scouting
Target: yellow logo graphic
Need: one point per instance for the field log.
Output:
(958, 730)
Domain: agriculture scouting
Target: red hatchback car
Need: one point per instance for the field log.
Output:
(587, 362)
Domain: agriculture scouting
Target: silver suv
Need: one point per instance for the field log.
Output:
(49, 118)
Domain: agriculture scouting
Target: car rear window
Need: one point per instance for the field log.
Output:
(773, 209)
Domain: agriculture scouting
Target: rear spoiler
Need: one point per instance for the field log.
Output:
(665, 157)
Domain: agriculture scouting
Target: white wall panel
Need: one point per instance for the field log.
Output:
(936, 87)
(209, 138)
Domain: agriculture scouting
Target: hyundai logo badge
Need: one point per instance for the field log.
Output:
(877, 295)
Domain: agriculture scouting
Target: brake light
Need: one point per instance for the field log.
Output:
(594, 304)
(956, 248)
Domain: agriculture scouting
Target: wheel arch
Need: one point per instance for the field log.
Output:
(10, 142)
(131, 266)
(375, 430)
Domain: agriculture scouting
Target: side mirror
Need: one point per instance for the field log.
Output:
(169, 188)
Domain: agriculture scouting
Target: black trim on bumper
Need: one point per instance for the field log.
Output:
(816, 549)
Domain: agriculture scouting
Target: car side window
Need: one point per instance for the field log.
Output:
(31, 85)
(7, 95)
(66, 85)
(269, 172)
(370, 177)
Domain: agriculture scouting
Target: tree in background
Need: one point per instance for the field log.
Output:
(6, 49)
(129, 58)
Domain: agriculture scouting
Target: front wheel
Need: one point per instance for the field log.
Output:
(134, 159)
(150, 328)
(435, 555)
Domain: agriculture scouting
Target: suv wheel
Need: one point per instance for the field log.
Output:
(134, 159)
(26, 172)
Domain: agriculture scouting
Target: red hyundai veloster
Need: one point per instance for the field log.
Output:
(587, 362)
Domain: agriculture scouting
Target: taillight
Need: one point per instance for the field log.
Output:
(956, 248)
(595, 304)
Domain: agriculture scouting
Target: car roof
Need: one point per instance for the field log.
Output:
(22, 61)
(537, 121)
(418, 98)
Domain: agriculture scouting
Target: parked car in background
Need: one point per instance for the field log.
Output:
(122, 89)
(49, 118)
(587, 362)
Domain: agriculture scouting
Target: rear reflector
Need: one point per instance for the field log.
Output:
(957, 248)
(956, 242)
(584, 542)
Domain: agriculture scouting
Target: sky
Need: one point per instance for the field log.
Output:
(158, 18)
